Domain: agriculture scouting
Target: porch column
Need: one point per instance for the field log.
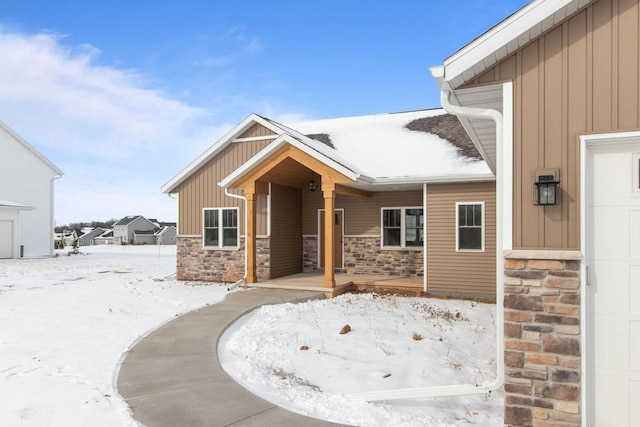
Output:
(250, 237)
(329, 193)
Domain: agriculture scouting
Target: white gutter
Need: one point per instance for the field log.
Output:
(468, 389)
(244, 279)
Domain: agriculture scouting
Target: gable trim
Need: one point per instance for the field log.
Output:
(507, 37)
(216, 148)
(31, 149)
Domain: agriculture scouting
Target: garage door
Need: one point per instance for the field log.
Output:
(6, 239)
(613, 291)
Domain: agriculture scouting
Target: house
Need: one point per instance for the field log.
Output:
(105, 238)
(379, 195)
(124, 230)
(65, 238)
(166, 234)
(86, 239)
(551, 98)
(26, 198)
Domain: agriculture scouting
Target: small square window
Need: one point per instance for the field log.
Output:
(470, 226)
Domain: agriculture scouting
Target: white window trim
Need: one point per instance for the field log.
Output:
(220, 232)
(403, 229)
(482, 231)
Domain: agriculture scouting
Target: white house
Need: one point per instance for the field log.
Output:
(26, 198)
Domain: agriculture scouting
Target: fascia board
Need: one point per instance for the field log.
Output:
(216, 148)
(512, 29)
(435, 179)
(279, 142)
(31, 149)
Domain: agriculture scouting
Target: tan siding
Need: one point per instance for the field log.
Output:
(257, 130)
(201, 189)
(286, 231)
(361, 216)
(580, 76)
(459, 272)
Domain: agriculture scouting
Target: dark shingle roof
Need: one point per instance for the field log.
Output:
(448, 127)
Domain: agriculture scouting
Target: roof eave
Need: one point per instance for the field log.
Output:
(216, 148)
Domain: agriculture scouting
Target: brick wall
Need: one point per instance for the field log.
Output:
(195, 263)
(363, 255)
(542, 339)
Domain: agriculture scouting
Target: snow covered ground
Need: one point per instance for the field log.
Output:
(294, 356)
(65, 323)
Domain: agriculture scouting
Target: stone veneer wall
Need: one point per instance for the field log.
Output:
(363, 255)
(542, 338)
(195, 263)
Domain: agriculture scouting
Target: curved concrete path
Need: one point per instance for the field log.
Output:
(172, 377)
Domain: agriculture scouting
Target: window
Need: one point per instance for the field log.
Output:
(221, 227)
(470, 226)
(402, 227)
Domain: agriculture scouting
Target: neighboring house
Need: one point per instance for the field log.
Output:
(105, 238)
(166, 234)
(26, 198)
(362, 195)
(552, 95)
(125, 229)
(86, 239)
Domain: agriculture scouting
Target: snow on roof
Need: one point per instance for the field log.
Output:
(384, 147)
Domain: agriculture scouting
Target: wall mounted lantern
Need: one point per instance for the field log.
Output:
(546, 182)
(312, 185)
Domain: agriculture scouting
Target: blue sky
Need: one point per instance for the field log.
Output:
(121, 95)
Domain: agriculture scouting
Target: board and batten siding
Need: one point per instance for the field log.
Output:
(449, 271)
(286, 231)
(201, 189)
(581, 76)
(362, 216)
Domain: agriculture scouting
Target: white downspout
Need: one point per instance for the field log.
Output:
(424, 231)
(468, 389)
(244, 279)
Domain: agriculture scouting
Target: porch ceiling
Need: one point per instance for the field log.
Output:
(290, 173)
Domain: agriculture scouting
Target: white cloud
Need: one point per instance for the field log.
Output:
(59, 96)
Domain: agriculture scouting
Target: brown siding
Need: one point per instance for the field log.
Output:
(579, 77)
(459, 272)
(256, 131)
(361, 216)
(286, 231)
(201, 190)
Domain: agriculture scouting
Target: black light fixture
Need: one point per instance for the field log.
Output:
(546, 190)
(312, 185)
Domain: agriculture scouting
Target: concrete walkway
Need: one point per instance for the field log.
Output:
(172, 377)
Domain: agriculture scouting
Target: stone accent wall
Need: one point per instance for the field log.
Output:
(309, 253)
(542, 339)
(362, 255)
(194, 263)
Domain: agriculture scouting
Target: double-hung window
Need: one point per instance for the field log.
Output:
(470, 226)
(402, 227)
(221, 227)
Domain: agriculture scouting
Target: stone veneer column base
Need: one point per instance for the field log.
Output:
(542, 338)
(195, 263)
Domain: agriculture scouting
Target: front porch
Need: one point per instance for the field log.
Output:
(344, 282)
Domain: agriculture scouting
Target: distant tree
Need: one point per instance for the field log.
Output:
(79, 225)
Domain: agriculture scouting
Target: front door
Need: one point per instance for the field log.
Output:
(338, 237)
(613, 283)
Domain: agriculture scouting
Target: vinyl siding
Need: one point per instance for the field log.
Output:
(459, 272)
(361, 216)
(286, 231)
(579, 77)
(201, 190)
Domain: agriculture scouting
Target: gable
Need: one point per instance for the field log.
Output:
(257, 130)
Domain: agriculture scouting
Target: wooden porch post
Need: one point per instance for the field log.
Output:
(250, 237)
(329, 193)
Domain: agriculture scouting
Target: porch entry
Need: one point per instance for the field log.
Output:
(612, 205)
(338, 237)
